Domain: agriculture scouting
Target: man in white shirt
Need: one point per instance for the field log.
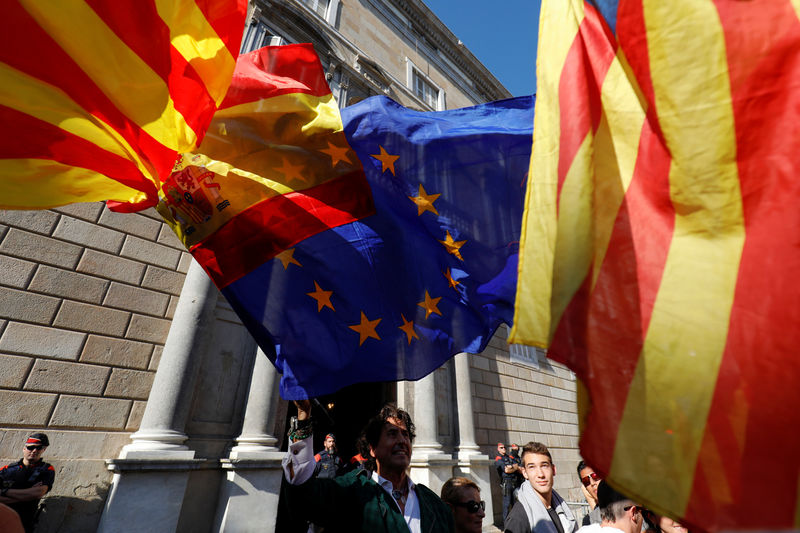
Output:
(385, 500)
(618, 512)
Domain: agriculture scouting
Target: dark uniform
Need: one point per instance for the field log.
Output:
(328, 465)
(18, 476)
(506, 481)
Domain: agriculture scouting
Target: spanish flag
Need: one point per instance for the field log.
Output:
(97, 98)
(661, 248)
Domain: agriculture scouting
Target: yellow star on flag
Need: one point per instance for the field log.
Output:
(408, 329)
(323, 298)
(366, 328)
(387, 160)
(453, 247)
(286, 257)
(425, 201)
(292, 172)
(337, 153)
(430, 305)
(450, 281)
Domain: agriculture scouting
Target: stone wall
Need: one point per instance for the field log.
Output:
(516, 403)
(86, 301)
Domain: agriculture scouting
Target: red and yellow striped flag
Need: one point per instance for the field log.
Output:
(661, 247)
(97, 98)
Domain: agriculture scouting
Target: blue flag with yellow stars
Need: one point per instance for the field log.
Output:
(432, 273)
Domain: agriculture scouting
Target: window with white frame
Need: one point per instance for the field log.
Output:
(424, 88)
(524, 355)
(257, 35)
(319, 6)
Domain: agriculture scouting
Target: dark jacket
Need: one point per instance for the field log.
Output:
(354, 502)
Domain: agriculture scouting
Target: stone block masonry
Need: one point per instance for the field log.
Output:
(85, 300)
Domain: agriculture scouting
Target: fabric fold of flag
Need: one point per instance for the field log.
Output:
(661, 247)
(98, 98)
(361, 247)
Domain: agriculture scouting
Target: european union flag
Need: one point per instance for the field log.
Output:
(432, 273)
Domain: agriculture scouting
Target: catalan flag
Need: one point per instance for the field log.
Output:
(97, 98)
(660, 257)
(361, 247)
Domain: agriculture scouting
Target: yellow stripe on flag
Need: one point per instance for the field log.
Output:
(251, 143)
(796, 6)
(49, 104)
(122, 75)
(195, 39)
(664, 419)
(532, 316)
(616, 149)
(56, 184)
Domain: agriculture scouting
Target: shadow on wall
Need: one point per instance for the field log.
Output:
(73, 514)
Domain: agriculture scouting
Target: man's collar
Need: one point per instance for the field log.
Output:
(387, 485)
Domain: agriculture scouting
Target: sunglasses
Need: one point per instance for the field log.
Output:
(587, 480)
(32, 447)
(472, 506)
(634, 507)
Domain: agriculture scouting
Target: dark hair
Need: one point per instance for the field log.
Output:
(373, 429)
(581, 466)
(536, 447)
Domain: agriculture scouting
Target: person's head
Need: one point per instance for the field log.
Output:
(501, 448)
(617, 510)
(464, 498)
(538, 469)
(661, 524)
(589, 478)
(389, 435)
(330, 443)
(668, 525)
(34, 448)
(514, 450)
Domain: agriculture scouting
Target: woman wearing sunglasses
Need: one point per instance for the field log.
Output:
(464, 498)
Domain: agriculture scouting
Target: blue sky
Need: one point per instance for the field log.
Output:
(502, 34)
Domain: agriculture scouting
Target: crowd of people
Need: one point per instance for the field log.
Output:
(377, 495)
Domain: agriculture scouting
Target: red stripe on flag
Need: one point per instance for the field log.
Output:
(282, 221)
(227, 22)
(752, 438)
(36, 139)
(187, 90)
(276, 70)
(45, 60)
(607, 328)
(584, 70)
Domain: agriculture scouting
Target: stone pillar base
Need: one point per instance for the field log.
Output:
(249, 495)
(432, 470)
(147, 494)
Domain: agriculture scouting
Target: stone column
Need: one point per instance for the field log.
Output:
(429, 464)
(425, 419)
(167, 409)
(262, 404)
(466, 425)
(249, 495)
(470, 461)
(151, 474)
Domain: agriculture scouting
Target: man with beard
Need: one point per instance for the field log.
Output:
(539, 508)
(328, 463)
(385, 500)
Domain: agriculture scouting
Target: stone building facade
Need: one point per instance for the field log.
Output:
(162, 413)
